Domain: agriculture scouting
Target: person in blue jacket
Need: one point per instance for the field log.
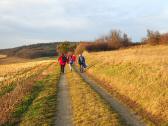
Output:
(82, 63)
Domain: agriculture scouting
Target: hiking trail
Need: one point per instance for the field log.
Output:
(63, 113)
(125, 113)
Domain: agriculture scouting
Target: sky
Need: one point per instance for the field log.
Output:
(24, 22)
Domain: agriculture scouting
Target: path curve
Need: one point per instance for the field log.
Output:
(63, 113)
(125, 113)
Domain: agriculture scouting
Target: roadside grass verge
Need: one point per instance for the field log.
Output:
(27, 101)
(12, 99)
(138, 77)
(88, 108)
(23, 107)
(42, 109)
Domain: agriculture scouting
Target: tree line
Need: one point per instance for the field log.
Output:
(117, 39)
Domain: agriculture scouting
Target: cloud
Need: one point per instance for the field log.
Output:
(44, 20)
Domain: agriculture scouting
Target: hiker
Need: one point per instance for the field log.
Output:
(82, 63)
(71, 60)
(62, 60)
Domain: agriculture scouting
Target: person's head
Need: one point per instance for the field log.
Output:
(62, 54)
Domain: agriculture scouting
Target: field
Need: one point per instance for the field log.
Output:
(12, 60)
(2, 56)
(137, 76)
(116, 87)
(28, 96)
(24, 87)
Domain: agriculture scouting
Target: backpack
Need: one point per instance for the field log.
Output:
(71, 60)
(82, 60)
(64, 59)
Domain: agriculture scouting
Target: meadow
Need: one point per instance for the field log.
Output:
(2, 56)
(12, 74)
(137, 76)
(43, 108)
(25, 86)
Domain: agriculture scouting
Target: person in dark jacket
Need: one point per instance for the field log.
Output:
(81, 62)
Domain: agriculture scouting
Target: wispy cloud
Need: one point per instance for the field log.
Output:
(51, 20)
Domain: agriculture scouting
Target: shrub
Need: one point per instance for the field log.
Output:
(65, 47)
(114, 40)
(164, 38)
(97, 46)
(155, 38)
(117, 39)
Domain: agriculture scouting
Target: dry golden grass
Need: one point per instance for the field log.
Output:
(2, 56)
(88, 108)
(15, 96)
(138, 76)
(14, 68)
(14, 73)
(42, 110)
(11, 60)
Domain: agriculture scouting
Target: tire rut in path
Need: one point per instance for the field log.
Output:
(125, 114)
(63, 113)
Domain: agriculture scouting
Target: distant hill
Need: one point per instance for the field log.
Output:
(33, 51)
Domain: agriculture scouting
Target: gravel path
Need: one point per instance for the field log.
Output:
(63, 113)
(125, 113)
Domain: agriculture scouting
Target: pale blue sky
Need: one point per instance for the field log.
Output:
(32, 21)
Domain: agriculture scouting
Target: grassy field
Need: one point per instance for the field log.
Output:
(138, 76)
(11, 60)
(2, 56)
(13, 74)
(25, 87)
(89, 109)
(42, 111)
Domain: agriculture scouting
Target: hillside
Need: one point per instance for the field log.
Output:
(137, 76)
(126, 87)
(33, 51)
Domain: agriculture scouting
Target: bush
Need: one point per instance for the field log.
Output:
(155, 38)
(114, 40)
(66, 47)
(164, 39)
(97, 46)
(117, 40)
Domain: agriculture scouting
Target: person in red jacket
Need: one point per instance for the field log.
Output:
(62, 61)
(74, 58)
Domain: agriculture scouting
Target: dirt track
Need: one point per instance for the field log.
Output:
(64, 113)
(129, 117)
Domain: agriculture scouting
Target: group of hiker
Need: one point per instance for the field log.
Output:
(71, 60)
